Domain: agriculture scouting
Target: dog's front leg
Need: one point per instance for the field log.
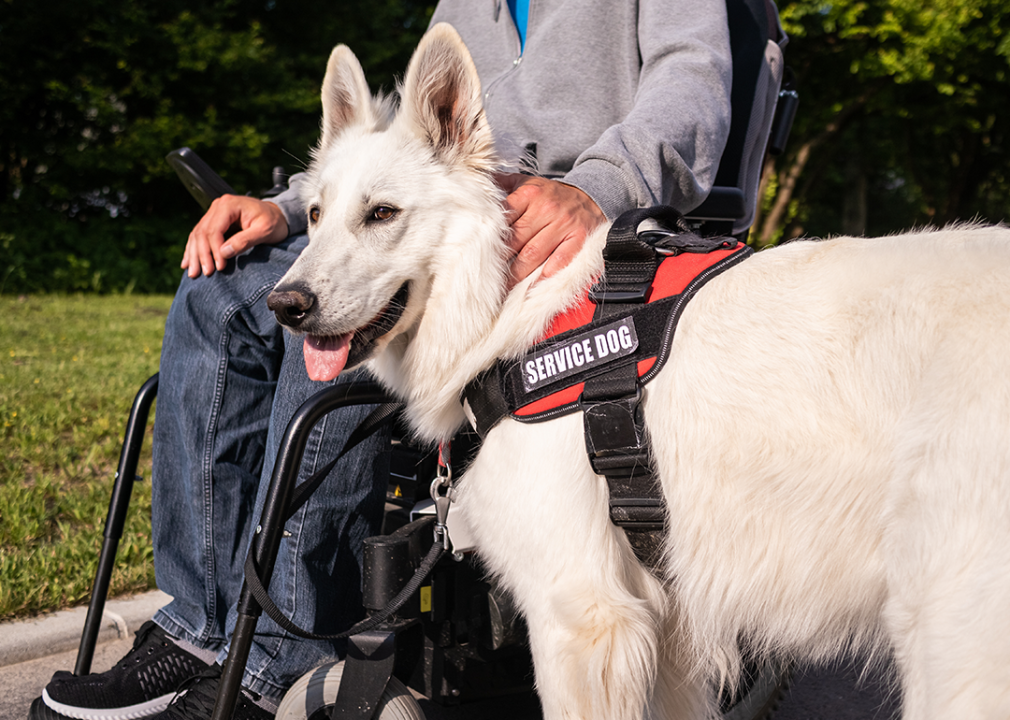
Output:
(596, 616)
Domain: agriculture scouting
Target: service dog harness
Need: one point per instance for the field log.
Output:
(598, 356)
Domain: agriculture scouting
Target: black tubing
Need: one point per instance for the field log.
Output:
(133, 441)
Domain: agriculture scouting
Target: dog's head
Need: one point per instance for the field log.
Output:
(383, 193)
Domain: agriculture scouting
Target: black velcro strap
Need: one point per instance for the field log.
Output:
(614, 428)
(618, 449)
(623, 244)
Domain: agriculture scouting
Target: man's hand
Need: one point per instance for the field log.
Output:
(550, 222)
(207, 250)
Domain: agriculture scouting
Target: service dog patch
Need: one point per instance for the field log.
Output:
(582, 352)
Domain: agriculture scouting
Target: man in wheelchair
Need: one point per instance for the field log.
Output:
(616, 106)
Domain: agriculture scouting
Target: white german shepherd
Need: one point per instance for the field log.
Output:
(832, 430)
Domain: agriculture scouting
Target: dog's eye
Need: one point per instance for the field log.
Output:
(313, 214)
(382, 213)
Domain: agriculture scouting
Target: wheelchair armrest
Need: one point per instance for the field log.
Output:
(202, 182)
(723, 203)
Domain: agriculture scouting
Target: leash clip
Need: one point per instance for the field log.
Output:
(442, 493)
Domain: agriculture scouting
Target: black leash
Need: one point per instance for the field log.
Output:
(376, 419)
(369, 623)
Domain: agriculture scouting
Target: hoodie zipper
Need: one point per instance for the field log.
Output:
(518, 44)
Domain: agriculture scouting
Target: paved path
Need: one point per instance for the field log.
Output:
(30, 652)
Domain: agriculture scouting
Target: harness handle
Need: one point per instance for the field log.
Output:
(622, 241)
(629, 262)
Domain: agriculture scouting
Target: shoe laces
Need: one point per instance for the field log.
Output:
(195, 698)
(142, 640)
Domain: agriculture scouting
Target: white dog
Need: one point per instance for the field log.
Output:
(832, 431)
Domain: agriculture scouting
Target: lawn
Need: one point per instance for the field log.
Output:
(69, 369)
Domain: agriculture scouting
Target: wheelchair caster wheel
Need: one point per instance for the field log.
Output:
(317, 689)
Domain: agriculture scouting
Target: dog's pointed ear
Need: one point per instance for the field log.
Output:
(346, 98)
(442, 99)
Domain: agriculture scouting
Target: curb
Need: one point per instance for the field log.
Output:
(22, 640)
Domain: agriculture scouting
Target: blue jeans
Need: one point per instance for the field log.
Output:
(230, 380)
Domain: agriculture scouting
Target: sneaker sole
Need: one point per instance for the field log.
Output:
(129, 712)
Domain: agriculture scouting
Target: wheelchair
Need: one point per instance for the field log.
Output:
(451, 636)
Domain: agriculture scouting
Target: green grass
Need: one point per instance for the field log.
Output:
(69, 369)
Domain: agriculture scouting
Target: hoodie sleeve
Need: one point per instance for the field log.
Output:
(667, 148)
(290, 203)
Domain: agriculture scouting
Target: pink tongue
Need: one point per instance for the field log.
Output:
(325, 357)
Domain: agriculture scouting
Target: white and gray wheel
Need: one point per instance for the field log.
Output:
(318, 688)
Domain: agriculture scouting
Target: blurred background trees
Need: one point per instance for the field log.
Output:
(903, 121)
(94, 93)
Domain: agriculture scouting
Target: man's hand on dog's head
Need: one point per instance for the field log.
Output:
(259, 222)
(550, 222)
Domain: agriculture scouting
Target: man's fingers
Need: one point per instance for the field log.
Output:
(207, 251)
(190, 259)
(206, 256)
(534, 251)
(239, 243)
(549, 220)
(202, 254)
(525, 229)
(562, 256)
(528, 217)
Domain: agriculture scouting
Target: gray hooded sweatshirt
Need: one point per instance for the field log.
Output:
(627, 100)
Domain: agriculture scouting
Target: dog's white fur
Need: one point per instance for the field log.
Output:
(832, 430)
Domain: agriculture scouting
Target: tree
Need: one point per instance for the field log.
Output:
(90, 105)
(905, 106)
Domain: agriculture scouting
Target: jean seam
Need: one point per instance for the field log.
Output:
(210, 566)
(254, 678)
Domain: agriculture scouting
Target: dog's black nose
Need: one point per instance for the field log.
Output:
(291, 306)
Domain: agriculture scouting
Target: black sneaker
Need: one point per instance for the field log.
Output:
(143, 683)
(197, 696)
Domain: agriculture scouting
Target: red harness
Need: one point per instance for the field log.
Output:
(586, 342)
(673, 276)
(596, 357)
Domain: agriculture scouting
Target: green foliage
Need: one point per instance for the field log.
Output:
(903, 120)
(90, 105)
(69, 368)
(904, 101)
(50, 253)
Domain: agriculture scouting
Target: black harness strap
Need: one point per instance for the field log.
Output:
(630, 262)
(485, 400)
(613, 423)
